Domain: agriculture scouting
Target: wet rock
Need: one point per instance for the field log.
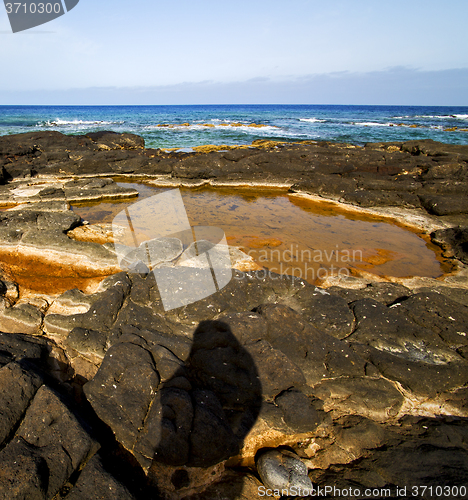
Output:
(283, 471)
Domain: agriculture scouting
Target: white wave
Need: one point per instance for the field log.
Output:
(211, 126)
(434, 117)
(61, 123)
(312, 120)
(373, 124)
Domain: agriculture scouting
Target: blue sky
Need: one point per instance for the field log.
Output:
(256, 51)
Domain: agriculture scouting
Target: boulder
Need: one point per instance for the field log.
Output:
(283, 472)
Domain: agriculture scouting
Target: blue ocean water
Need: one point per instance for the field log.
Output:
(188, 126)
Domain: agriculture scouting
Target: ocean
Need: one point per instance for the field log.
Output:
(186, 126)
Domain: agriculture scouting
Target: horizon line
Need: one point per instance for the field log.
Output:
(243, 104)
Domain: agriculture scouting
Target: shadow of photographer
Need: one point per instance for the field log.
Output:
(197, 415)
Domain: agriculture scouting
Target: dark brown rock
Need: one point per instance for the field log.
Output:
(390, 329)
(18, 385)
(377, 399)
(328, 313)
(445, 205)
(387, 293)
(454, 241)
(198, 416)
(414, 447)
(97, 483)
(49, 445)
(317, 354)
(423, 379)
(325, 185)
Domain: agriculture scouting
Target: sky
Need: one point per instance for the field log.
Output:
(408, 52)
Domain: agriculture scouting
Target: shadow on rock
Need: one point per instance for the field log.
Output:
(180, 419)
(211, 403)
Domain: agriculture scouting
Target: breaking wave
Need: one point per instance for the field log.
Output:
(86, 123)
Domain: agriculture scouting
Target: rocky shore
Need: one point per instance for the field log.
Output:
(105, 395)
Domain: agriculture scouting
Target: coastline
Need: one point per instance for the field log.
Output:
(192, 126)
(419, 184)
(386, 359)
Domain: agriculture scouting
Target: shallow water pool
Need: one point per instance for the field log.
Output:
(296, 236)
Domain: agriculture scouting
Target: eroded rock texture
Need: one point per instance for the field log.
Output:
(208, 386)
(107, 395)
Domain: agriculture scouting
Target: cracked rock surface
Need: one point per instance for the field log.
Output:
(106, 395)
(202, 387)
